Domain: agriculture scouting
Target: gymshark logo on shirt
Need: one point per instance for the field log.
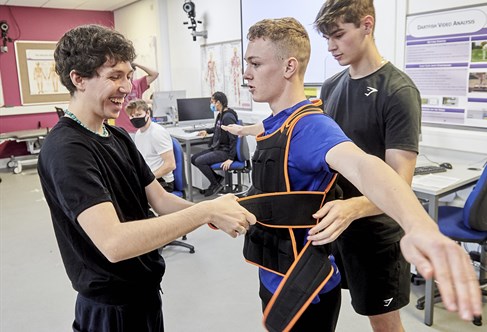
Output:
(370, 90)
(387, 302)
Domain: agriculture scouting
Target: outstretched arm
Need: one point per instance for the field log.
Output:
(152, 74)
(249, 130)
(119, 241)
(335, 216)
(433, 254)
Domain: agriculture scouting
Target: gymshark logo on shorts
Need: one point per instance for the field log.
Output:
(370, 91)
(387, 302)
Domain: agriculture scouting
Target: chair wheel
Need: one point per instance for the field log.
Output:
(420, 306)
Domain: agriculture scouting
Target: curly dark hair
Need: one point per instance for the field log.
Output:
(221, 97)
(86, 48)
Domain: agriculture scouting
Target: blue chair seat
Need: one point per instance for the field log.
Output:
(451, 224)
(240, 165)
(467, 224)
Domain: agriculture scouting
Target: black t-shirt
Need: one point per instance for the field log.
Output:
(79, 169)
(378, 112)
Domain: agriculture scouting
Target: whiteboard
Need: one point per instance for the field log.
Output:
(321, 64)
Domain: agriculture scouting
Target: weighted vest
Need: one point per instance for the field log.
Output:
(272, 243)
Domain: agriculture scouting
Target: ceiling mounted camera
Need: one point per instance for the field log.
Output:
(4, 26)
(189, 8)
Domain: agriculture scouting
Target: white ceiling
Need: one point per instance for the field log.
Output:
(106, 5)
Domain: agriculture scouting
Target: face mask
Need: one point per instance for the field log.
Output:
(213, 108)
(139, 122)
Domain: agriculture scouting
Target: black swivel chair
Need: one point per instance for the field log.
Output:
(241, 165)
(468, 224)
(179, 185)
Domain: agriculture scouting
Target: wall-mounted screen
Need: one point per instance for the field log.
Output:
(194, 109)
(165, 102)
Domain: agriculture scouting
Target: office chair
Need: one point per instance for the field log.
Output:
(239, 166)
(179, 185)
(59, 111)
(468, 224)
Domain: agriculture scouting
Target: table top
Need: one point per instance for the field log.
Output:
(179, 133)
(23, 134)
(440, 183)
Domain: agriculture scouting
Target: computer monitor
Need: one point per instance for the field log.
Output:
(164, 102)
(194, 110)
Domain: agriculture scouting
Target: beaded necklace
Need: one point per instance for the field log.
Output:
(73, 117)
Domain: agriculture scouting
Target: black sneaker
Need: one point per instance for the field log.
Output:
(213, 189)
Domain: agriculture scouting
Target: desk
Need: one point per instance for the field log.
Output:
(432, 187)
(187, 139)
(33, 138)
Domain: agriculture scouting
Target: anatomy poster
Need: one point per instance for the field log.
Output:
(222, 71)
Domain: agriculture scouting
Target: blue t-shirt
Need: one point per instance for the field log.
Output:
(313, 136)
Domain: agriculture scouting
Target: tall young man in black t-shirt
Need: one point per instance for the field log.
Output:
(99, 188)
(379, 108)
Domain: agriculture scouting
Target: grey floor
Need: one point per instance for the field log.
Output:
(210, 290)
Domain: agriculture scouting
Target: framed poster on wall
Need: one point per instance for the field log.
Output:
(446, 57)
(38, 81)
(222, 71)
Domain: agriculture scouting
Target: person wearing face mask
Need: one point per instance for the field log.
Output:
(222, 147)
(153, 142)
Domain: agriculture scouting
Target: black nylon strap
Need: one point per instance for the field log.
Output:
(286, 209)
(312, 270)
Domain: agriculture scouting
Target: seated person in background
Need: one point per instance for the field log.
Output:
(222, 146)
(154, 143)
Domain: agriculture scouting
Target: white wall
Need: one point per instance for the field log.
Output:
(222, 21)
(179, 57)
(421, 6)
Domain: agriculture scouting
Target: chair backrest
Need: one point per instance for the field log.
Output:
(475, 209)
(243, 152)
(179, 174)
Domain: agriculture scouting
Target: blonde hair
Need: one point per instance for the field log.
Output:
(289, 37)
(135, 105)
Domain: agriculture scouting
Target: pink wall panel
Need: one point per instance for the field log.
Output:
(32, 24)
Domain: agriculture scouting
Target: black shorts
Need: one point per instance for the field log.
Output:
(322, 316)
(377, 275)
(143, 316)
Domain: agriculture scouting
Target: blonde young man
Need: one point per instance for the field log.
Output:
(277, 56)
(154, 143)
(98, 188)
